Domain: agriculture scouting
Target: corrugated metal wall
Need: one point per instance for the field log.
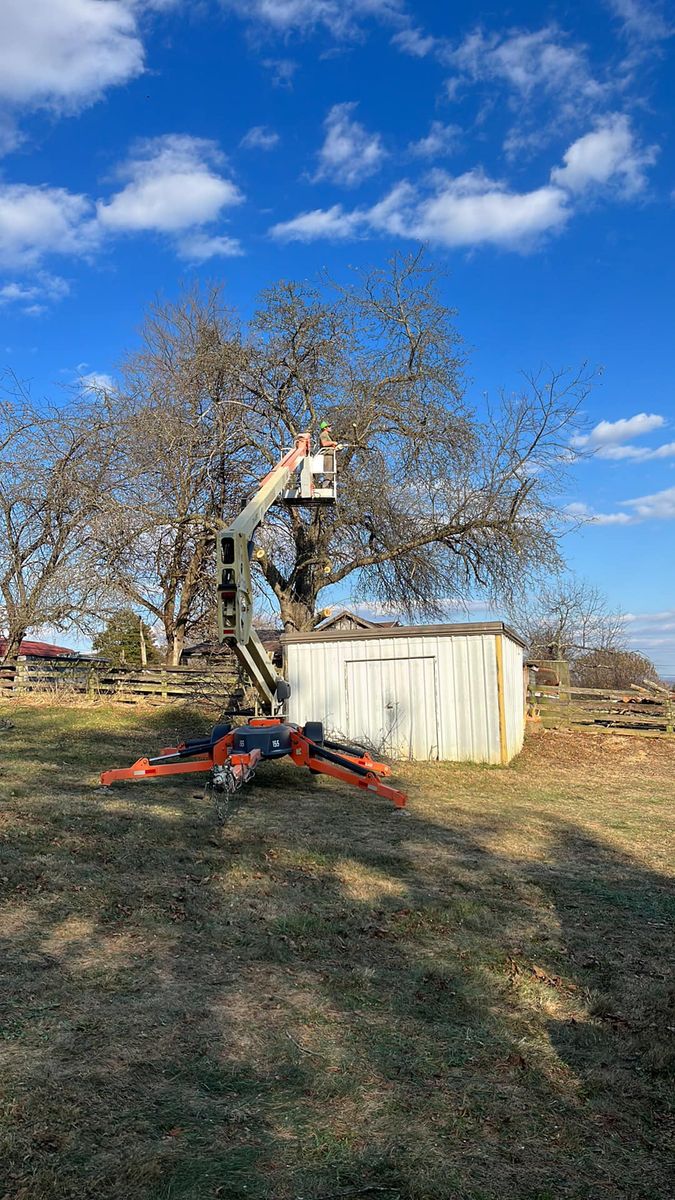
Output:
(421, 696)
(514, 696)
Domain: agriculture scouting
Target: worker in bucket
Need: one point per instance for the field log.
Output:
(326, 439)
(328, 445)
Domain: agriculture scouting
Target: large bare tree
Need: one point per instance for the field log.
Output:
(435, 500)
(568, 617)
(56, 465)
(181, 471)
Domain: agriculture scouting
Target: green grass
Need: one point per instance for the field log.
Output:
(326, 998)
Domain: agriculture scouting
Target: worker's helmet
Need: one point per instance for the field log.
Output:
(324, 425)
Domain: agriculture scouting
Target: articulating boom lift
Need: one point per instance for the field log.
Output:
(230, 755)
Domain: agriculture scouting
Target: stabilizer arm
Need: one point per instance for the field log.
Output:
(362, 771)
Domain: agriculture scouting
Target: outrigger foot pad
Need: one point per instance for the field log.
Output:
(231, 756)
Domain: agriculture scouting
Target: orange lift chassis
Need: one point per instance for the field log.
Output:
(229, 754)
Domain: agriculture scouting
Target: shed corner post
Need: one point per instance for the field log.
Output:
(499, 655)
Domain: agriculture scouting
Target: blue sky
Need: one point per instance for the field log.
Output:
(149, 142)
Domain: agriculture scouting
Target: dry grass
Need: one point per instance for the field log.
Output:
(325, 998)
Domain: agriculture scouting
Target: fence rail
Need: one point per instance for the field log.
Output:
(649, 708)
(220, 685)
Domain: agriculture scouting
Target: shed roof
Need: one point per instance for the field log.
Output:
(467, 629)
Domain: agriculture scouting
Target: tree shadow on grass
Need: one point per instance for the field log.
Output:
(321, 997)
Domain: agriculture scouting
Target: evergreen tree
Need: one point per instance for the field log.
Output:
(120, 641)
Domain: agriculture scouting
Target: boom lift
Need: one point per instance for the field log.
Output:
(230, 755)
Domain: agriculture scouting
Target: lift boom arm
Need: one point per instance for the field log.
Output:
(234, 587)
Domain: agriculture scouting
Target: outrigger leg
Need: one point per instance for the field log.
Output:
(232, 755)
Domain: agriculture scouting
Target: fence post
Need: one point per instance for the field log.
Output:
(20, 677)
(165, 694)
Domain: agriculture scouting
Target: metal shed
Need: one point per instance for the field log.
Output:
(450, 692)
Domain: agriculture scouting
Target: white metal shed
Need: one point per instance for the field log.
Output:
(450, 692)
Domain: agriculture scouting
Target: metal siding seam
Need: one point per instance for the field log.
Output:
(491, 687)
(486, 697)
(503, 745)
(486, 748)
(441, 678)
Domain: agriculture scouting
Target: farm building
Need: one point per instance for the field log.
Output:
(346, 619)
(29, 649)
(452, 692)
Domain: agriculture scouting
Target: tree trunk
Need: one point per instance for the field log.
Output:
(176, 646)
(298, 594)
(11, 651)
(297, 615)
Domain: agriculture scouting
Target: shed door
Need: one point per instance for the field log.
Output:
(392, 706)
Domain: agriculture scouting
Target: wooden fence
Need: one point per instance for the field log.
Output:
(644, 709)
(220, 685)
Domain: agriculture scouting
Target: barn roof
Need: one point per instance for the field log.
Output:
(40, 649)
(360, 622)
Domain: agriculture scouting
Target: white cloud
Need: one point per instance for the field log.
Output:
(545, 77)
(65, 53)
(282, 71)
(584, 514)
(33, 298)
(349, 153)
(440, 140)
(96, 383)
(525, 62)
(657, 506)
(36, 221)
(653, 618)
(198, 247)
(10, 135)
(470, 209)
(607, 433)
(641, 21)
(330, 223)
(609, 154)
(653, 633)
(631, 453)
(260, 137)
(611, 519)
(465, 211)
(342, 18)
(173, 185)
(412, 40)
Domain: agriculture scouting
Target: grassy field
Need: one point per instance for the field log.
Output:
(324, 998)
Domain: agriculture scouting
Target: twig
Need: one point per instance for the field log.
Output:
(304, 1049)
(367, 1189)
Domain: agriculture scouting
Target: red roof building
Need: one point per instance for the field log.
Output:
(40, 650)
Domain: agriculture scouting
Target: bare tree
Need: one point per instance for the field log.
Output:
(612, 668)
(567, 618)
(435, 500)
(55, 465)
(181, 473)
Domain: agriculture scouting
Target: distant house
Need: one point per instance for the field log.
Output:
(203, 652)
(346, 619)
(213, 652)
(40, 650)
